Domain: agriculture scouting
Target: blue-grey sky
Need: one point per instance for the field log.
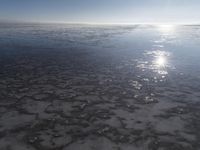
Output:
(101, 11)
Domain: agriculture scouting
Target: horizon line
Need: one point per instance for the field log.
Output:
(100, 23)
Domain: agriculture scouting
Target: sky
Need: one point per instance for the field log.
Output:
(101, 11)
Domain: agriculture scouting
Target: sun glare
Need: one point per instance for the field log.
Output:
(166, 28)
(161, 61)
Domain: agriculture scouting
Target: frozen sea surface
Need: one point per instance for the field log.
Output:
(82, 87)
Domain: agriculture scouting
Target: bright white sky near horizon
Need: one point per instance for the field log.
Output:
(101, 11)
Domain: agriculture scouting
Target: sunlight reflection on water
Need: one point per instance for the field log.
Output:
(155, 61)
(161, 61)
(166, 28)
